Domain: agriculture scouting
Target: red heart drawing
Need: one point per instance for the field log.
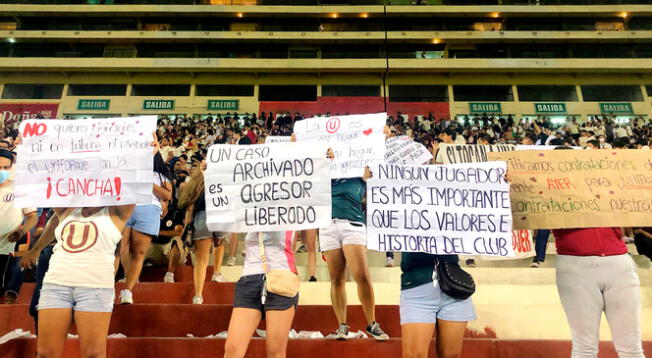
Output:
(368, 131)
(598, 196)
(533, 179)
(523, 218)
(542, 155)
(541, 192)
(612, 192)
(613, 153)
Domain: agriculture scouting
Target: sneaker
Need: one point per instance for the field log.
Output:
(169, 277)
(470, 263)
(375, 331)
(342, 332)
(312, 279)
(126, 297)
(123, 280)
(389, 262)
(230, 261)
(218, 277)
(535, 264)
(197, 300)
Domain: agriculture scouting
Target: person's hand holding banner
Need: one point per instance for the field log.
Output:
(276, 187)
(87, 162)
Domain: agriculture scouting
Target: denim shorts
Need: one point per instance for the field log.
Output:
(200, 230)
(427, 304)
(248, 292)
(146, 219)
(83, 299)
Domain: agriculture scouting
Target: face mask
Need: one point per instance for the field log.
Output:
(4, 175)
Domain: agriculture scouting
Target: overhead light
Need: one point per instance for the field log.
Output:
(335, 15)
(436, 41)
(239, 14)
(624, 15)
(495, 15)
(364, 15)
(11, 40)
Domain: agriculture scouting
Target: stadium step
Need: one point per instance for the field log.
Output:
(301, 348)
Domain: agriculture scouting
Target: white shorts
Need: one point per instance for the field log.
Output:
(342, 232)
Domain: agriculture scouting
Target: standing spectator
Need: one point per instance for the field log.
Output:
(15, 224)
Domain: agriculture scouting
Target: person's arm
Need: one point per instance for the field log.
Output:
(27, 226)
(644, 233)
(178, 230)
(163, 192)
(190, 212)
(29, 259)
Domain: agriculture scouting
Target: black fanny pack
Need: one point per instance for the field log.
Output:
(454, 281)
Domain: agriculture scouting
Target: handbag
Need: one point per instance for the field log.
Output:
(280, 282)
(453, 280)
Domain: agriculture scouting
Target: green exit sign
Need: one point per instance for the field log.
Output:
(223, 104)
(550, 108)
(94, 104)
(616, 108)
(485, 108)
(158, 104)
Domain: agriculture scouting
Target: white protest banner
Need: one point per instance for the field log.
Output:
(405, 151)
(253, 188)
(278, 139)
(357, 140)
(523, 244)
(85, 162)
(440, 209)
(470, 153)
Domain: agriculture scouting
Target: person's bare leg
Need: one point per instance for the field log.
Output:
(279, 324)
(450, 338)
(311, 246)
(336, 268)
(416, 339)
(233, 241)
(218, 256)
(140, 243)
(356, 260)
(173, 258)
(241, 327)
(125, 243)
(202, 254)
(93, 327)
(53, 326)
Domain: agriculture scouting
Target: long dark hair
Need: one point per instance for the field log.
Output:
(161, 168)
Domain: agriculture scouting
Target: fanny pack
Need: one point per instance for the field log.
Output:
(453, 280)
(280, 282)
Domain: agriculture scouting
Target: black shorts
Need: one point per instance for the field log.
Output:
(248, 292)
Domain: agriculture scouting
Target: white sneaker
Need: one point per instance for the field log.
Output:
(389, 262)
(169, 277)
(126, 297)
(231, 261)
(197, 300)
(218, 277)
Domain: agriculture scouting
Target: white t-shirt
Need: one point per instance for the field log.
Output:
(278, 252)
(12, 218)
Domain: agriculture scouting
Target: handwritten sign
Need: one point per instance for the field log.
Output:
(357, 140)
(580, 188)
(469, 153)
(277, 139)
(405, 151)
(86, 162)
(522, 243)
(539, 147)
(283, 186)
(440, 209)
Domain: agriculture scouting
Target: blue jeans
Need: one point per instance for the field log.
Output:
(41, 268)
(540, 244)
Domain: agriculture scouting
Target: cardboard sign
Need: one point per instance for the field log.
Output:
(469, 153)
(539, 147)
(440, 209)
(405, 151)
(278, 139)
(85, 162)
(582, 188)
(253, 188)
(357, 141)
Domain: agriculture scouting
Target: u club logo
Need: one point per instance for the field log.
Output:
(333, 125)
(8, 198)
(79, 236)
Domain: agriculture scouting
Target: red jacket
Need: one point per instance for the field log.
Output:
(602, 241)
